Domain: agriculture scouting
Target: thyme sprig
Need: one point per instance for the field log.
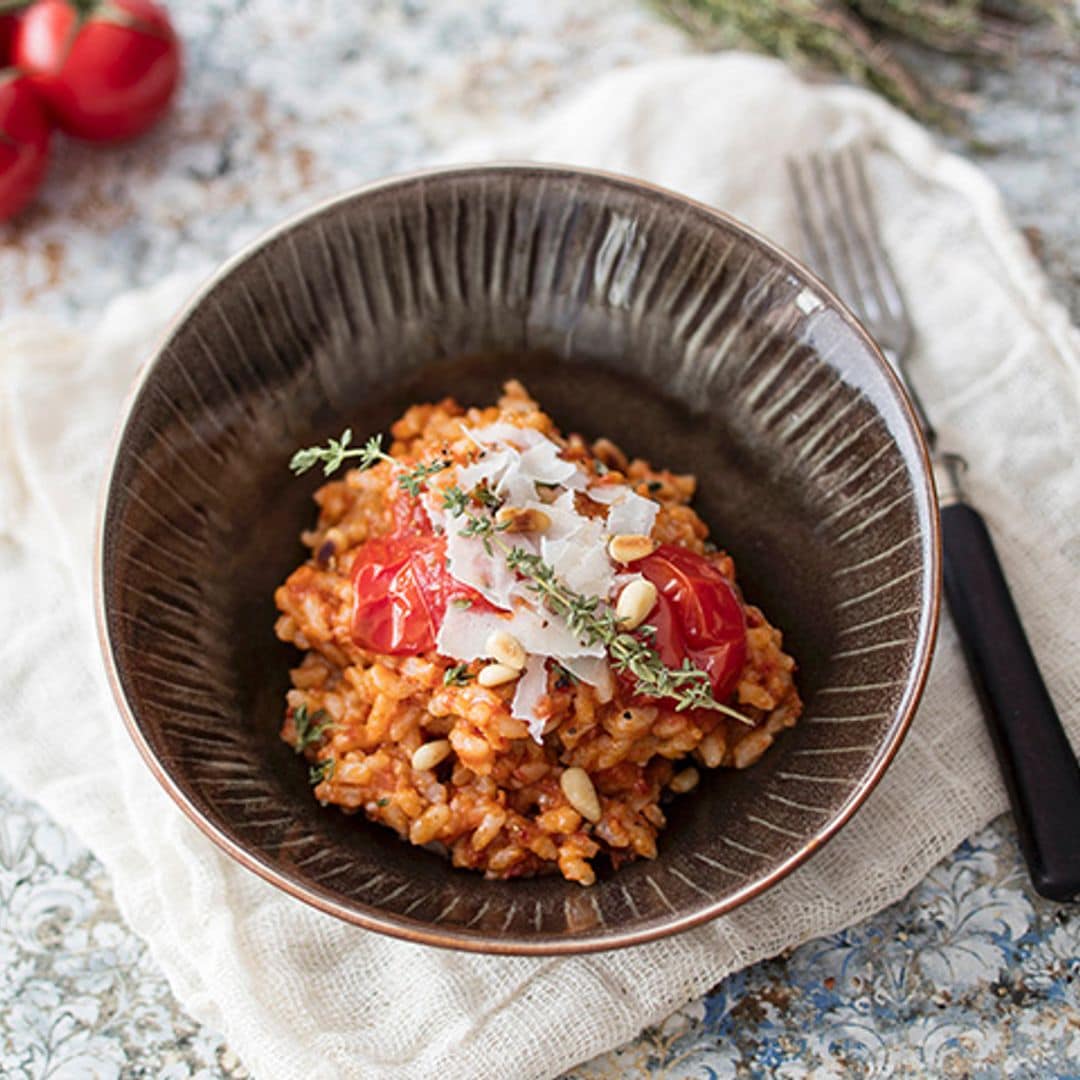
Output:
(414, 480)
(457, 503)
(454, 500)
(592, 622)
(338, 451)
(310, 727)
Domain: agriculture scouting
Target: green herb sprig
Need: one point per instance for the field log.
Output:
(458, 675)
(413, 481)
(324, 770)
(337, 452)
(455, 501)
(483, 525)
(310, 727)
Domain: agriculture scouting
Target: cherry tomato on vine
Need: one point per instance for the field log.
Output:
(106, 69)
(24, 142)
(697, 616)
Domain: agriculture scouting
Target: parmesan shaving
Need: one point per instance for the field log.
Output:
(532, 687)
(464, 633)
(633, 514)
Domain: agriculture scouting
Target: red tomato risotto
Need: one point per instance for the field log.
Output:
(518, 646)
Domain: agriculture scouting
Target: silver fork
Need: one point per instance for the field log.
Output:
(840, 231)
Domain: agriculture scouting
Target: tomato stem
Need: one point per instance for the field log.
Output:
(13, 7)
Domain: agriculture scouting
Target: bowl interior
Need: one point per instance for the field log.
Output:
(627, 312)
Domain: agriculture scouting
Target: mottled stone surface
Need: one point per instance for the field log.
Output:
(972, 975)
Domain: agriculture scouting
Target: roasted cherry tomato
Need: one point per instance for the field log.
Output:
(410, 518)
(24, 142)
(107, 70)
(402, 588)
(697, 616)
(8, 25)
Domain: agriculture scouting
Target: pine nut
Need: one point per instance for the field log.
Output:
(430, 754)
(685, 781)
(496, 675)
(580, 793)
(506, 649)
(634, 603)
(517, 520)
(629, 547)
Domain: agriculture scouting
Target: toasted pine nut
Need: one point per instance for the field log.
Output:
(685, 781)
(580, 793)
(430, 754)
(634, 603)
(516, 519)
(506, 649)
(629, 547)
(496, 675)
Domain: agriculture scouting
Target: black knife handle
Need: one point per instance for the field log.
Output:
(1041, 772)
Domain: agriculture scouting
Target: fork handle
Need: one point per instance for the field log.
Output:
(1041, 772)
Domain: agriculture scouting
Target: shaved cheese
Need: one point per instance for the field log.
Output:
(515, 463)
(504, 434)
(532, 687)
(592, 670)
(633, 514)
(606, 494)
(580, 559)
(629, 513)
(543, 464)
(464, 633)
(564, 518)
(469, 562)
(488, 469)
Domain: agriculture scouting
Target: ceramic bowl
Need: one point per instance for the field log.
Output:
(628, 311)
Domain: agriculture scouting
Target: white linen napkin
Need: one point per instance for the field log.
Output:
(299, 994)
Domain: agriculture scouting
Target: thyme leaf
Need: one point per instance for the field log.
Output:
(324, 770)
(413, 481)
(310, 727)
(455, 500)
(458, 675)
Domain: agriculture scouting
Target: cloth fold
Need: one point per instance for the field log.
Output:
(299, 994)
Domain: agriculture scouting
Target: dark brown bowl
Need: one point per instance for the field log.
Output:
(628, 311)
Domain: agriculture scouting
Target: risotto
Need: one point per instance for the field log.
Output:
(519, 646)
